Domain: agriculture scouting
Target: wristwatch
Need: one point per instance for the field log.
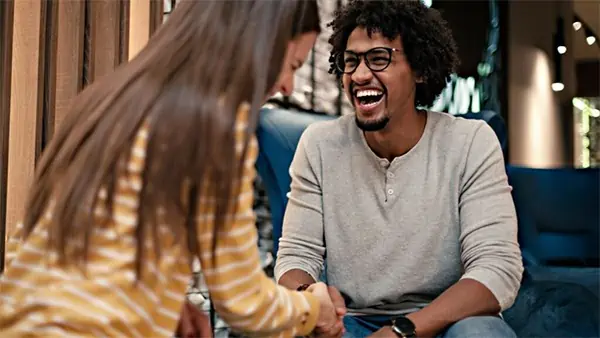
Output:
(404, 327)
(303, 287)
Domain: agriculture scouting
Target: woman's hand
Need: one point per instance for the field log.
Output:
(329, 323)
(193, 322)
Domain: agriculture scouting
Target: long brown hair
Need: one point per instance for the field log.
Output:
(186, 86)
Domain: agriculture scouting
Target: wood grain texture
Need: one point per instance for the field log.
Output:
(140, 23)
(105, 36)
(69, 64)
(25, 103)
(6, 20)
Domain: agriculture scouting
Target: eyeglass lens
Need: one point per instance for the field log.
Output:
(376, 59)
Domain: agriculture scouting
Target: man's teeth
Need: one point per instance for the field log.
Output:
(363, 93)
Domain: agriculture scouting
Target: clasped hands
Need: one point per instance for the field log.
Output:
(333, 308)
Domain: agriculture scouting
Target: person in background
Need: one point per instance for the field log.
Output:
(410, 209)
(154, 167)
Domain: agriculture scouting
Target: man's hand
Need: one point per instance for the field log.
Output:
(330, 323)
(384, 332)
(193, 322)
(338, 301)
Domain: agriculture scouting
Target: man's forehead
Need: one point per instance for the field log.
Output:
(360, 41)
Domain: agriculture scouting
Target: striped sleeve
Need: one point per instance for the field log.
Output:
(243, 295)
(12, 244)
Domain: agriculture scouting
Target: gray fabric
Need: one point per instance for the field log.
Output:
(396, 235)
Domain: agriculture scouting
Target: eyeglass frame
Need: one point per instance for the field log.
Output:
(361, 57)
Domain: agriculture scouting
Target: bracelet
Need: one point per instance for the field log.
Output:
(303, 287)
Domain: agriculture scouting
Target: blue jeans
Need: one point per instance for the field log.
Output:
(472, 327)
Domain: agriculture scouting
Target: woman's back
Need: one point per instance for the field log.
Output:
(153, 166)
(40, 297)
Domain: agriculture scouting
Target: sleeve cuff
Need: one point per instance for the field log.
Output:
(503, 293)
(282, 270)
(310, 315)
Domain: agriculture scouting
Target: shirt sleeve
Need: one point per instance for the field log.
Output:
(13, 242)
(301, 245)
(490, 251)
(242, 294)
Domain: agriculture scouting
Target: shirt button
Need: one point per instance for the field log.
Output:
(390, 191)
(390, 175)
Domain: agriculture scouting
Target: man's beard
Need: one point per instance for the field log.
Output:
(376, 125)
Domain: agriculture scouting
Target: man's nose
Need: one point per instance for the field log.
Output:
(287, 87)
(362, 74)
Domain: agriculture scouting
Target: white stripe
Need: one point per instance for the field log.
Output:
(57, 331)
(174, 296)
(39, 319)
(128, 220)
(7, 299)
(163, 332)
(102, 193)
(270, 312)
(98, 303)
(287, 305)
(133, 183)
(305, 303)
(237, 282)
(211, 200)
(233, 249)
(109, 234)
(99, 268)
(139, 152)
(115, 255)
(152, 269)
(170, 314)
(126, 201)
(30, 248)
(181, 278)
(17, 282)
(135, 168)
(241, 126)
(56, 273)
(14, 240)
(229, 267)
(115, 289)
(143, 134)
(238, 231)
(153, 297)
(60, 303)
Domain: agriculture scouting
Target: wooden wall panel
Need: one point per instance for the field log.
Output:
(25, 103)
(69, 63)
(145, 16)
(6, 18)
(105, 36)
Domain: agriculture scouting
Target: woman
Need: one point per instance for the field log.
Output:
(153, 167)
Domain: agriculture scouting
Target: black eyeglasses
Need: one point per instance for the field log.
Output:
(376, 59)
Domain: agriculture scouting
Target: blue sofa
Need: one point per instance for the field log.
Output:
(554, 300)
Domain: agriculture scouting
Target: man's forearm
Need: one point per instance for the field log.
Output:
(294, 278)
(464, 299)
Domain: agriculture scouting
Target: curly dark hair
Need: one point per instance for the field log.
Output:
(428, 43)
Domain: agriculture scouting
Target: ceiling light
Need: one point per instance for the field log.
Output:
(590, 38)
(577, 23)
(561, 49)
(558, 86)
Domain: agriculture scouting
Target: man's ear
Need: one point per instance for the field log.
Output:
(420, 78)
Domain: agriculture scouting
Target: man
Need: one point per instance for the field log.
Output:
(410, 210)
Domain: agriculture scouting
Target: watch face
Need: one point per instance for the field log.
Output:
(405, 326)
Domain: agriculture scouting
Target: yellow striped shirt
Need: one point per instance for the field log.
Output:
(38, 298)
